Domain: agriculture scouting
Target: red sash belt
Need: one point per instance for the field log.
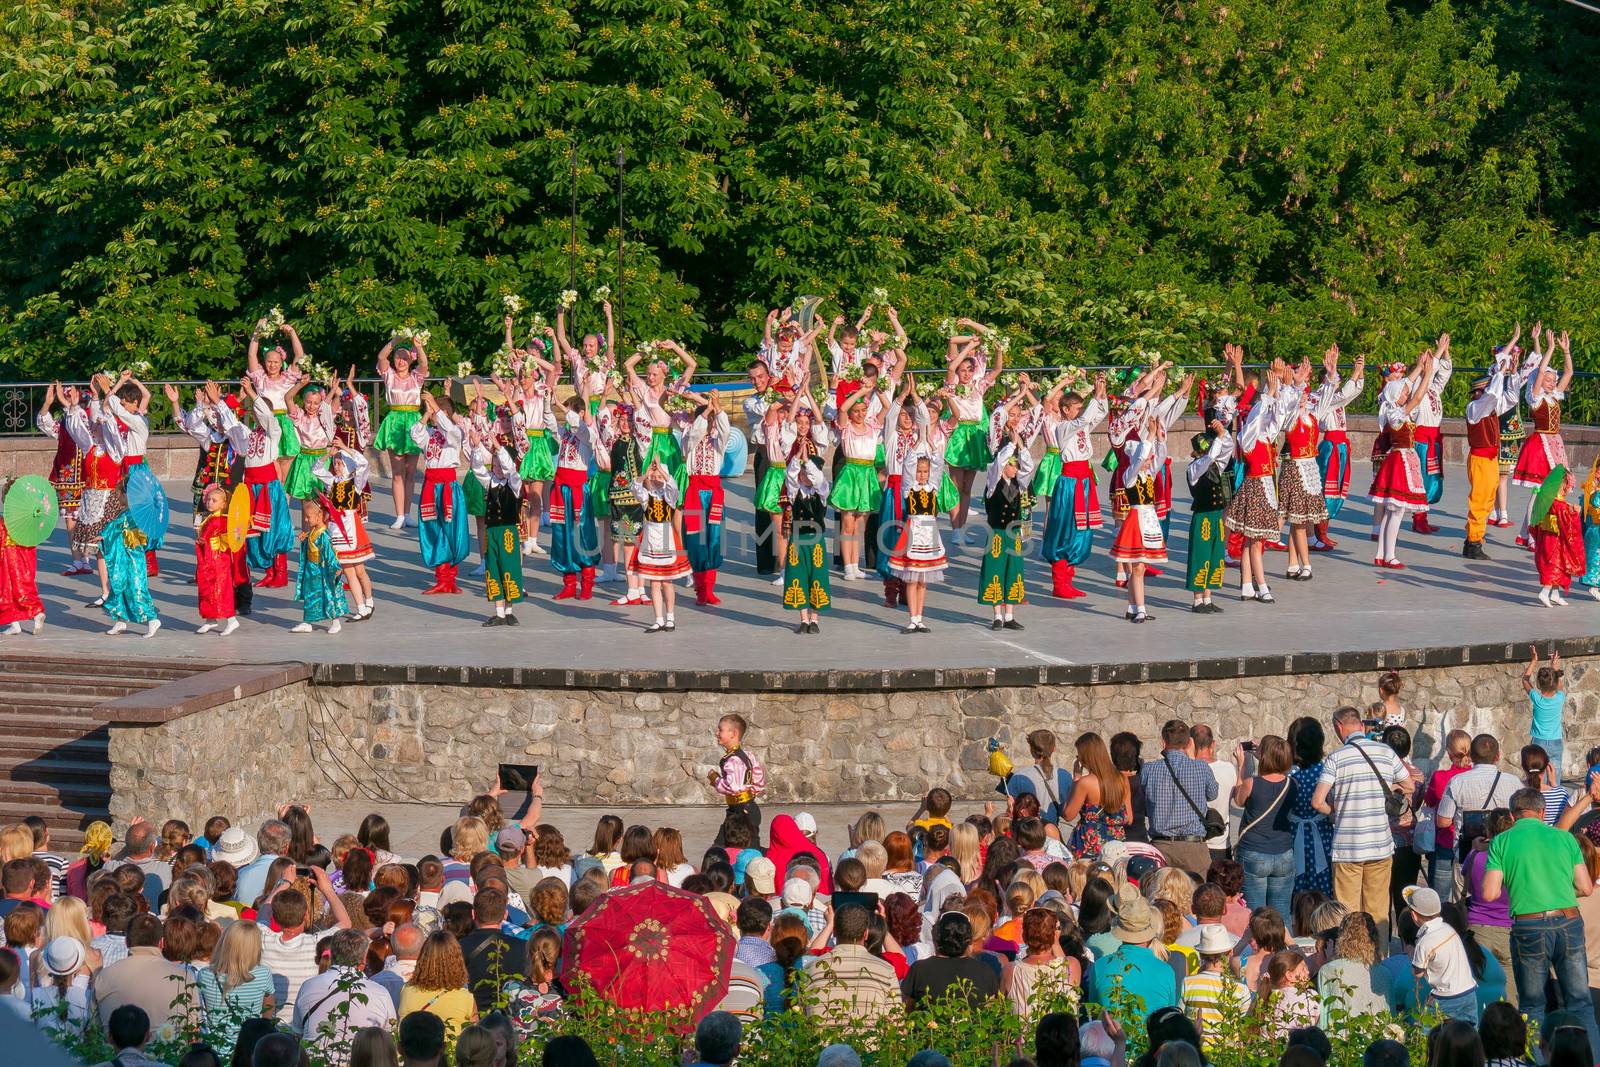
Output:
(443, 478)
(573, 479)
(1085, 495)
(897, 496)
(692, 512)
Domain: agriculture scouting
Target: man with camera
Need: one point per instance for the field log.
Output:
(1178, 790)
(1361, 787)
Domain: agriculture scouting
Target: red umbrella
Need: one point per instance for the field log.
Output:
(654, 948)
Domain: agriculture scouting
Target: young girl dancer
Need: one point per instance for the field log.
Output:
(1333, 453)
(1591, 530)
(705, 445)
(353, 426)
(128, 406)
(805, 568)
(592, 366)
(788, 354)
(66, 471)
(627, 507)
(1074, 513)
(442, 520)
(1544, 450)
(343, 474)
(903, 432)
(1253, 511)
(403, 371)
(273, 381)
(1430, 443)
(494, 465)
(650, 395)
(19, 580)
(271, 534)
(1558, 544)
(1139, 542)
(101, 446)
(1007, 504)
(122, 548)
(967, 452)
(312, 416)
(659, 558)
(1300, 485)
(216, 564)
(855, 493)
(919, 553)
(533, 389)
(216, 464)
(1398, 487)
(318, 583)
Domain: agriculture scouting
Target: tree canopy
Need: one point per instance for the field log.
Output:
(1095, 178)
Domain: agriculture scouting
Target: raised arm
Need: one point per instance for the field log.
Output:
(1566, 362)
(252, 355)
(421, 369)
(630, 367)
(689, 363)
(383, 359)
(294, 344)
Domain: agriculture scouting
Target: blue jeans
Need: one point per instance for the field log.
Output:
(1463, 1006)
(1441, 872)
(1268, 879)
(1539, 946)
(1553, 747)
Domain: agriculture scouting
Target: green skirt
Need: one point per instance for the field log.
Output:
(967, 447)
(857, 488)
(1044, 479)
(1208, 542)
(1000, 576)
(805, 576)
(600, 494)
(394, 433)
(664, 446)
(300, 482)
(476, 496)
(769, 494)
(949, 495)
(289, 442)
(539, 461)
(502, 564)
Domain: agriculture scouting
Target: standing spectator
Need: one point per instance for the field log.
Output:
(1442, 859)
(1357, 780)
(1125, 749)
(1490, 920)
(950, 968)
(1177, 787)
(1133, 964)
(272, 841)
(290, 952)
(145, 979)
(1052, 785)
(333, 1005)
(1407, 863)
(1313, 830)
(1266, 830)
(236, 986)
(1540, 868)
(1101, 799)
(848, 984)
(140, 851)
(1227, 776)
(1440, 956)
(1539, 772)
(1471, 795)
(439, 983)
(1548, 701)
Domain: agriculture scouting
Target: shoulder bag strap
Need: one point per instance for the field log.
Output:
(1382, 781)
(1253, 823)
(1174, 772)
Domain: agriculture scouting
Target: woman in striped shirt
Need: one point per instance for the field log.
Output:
(236, 986)
(1540, 774)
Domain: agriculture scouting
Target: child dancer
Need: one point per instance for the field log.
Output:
(1210, 488)
(442, 526)
(761, 400)
(318, 584)
(122, 548)
(312, 416)
(659, 558)
(66, 471)
(343, 474)
(494, 463)
(101, 446)
(273, 380)
(217, 464)
(1544, 450)
(1007, 504)
(353, 426)
(271, 534)
(705, 445)
(1333, 454)
(649, 396)
(1591, 530)
(903, 432)
(1139, 542)
(404, 372)
(919, 553)
(533, 388)
(772, 501)
(788, 354)
(855, 493)
(627, 507)
(1398, 487)
(215, 563)
(805, 570)
(1430, 444)
(1300, 501)
(574, 544)
(1253, 511)
(1557, 544)
(1492, 397)
(19, 580)
(128, 406)
(1074, 513)
(967, 452)
(1512, 432)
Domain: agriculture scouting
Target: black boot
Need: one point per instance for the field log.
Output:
(1473, 550)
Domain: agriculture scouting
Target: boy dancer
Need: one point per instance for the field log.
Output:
(442, 527)
(805, 571)
(739, 777)
(1492, 397)
(1210, 489)
(704, 448)
(1333, 453)
(495, 467)
(574, 543)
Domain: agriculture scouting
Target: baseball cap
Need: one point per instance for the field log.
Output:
(761, 876)
(510, 839)
(806, 823)
(1422, 900)
(797, 892)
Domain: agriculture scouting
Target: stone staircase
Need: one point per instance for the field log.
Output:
(54, 762)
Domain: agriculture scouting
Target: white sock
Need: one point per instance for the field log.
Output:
(150, 630)
(1294, 569)
(1306, 570)
(335, 626)
(659, 621)
(1010, 612)
(14, 629)
(500, 609)
(231, 625)
(670, 618)
(1247, 589)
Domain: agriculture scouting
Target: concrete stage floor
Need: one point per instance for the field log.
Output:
(1439, 600)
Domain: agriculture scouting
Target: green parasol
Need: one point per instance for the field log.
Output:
(31, 510)
(1547, 494)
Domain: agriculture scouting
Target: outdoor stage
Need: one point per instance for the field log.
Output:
(1440, 601)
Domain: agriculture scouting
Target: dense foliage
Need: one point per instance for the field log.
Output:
(1094, 177)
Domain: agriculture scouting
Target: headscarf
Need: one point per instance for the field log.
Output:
(785, 841)
(96, 841)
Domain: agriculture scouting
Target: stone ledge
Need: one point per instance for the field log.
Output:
(927, 678)
(198, 692)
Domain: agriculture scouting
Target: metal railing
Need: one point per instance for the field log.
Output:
(20, 401)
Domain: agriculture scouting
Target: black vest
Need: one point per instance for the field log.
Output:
(1214, 489)
(500, 505)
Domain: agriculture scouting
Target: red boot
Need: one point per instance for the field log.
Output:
(277, 575)
(709, 584)
(699, 586)
(1324, 542)
(586, 584)
(439, 581)
(1072, 591)
(152, 566)
(1152, 572)
(450, 577)
(569, 587)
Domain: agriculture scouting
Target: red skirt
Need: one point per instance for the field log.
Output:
(214, 570)
(349, 535)
(19, 588)
(1399, 481)
(1541, 453)
(1139, 540)
(1558, 546)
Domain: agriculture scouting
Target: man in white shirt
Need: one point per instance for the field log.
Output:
(1441, 958)
(290, 953)
(1227, 776)
(1357, 780)
(332, 1006)
(1475, 792)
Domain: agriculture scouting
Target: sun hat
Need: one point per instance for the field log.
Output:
(1134, 922)
(63, 955)
(235, 847)
(1215, 940)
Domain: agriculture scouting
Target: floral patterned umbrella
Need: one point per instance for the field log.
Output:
(653, 948)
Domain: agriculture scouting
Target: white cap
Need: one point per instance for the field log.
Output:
(806, 823)
(797, 893)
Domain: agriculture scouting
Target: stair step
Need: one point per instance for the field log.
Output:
(63, 685)
(31, 747)
(46, 704)
(17, 769)
(114, 670)
(64, 727)
(63, 823)
(75, 796)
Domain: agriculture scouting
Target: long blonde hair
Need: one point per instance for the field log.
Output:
(68, 917)
(964, 847)
(16, 843)
(237, 954)
(470, 837)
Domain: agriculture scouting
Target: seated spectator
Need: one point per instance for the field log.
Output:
(157, 986)
(1352, 981)
(438, 984)
(848, 985)
(950, 970)
(1133, 965)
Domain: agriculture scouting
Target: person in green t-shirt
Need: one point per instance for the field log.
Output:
(1542, 872)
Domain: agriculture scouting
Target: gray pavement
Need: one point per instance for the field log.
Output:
(1438, 600)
